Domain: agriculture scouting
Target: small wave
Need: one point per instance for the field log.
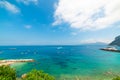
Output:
(59, 47)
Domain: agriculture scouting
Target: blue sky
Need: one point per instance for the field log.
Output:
(58, 22)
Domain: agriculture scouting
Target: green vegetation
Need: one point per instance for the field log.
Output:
(7, 73)
(116, 78)
(37, 75)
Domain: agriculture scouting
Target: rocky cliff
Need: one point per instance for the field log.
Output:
(116, 41)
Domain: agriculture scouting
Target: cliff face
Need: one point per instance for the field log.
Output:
(116, 41)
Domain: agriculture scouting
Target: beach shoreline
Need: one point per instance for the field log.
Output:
(12, 61)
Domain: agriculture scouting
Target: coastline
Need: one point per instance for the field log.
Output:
(12, 61)
(110, 49)
(74, 62)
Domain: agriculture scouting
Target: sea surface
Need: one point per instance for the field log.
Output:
(77, 62)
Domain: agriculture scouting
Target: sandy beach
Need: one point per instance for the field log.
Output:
(12, 61)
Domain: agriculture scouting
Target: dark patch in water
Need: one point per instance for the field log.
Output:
(74, 68)
(62, 64)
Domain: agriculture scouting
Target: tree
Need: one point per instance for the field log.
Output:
(37, 75)
(7, 73)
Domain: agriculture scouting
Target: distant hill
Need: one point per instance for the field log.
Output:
(116, 41)
(97, 43)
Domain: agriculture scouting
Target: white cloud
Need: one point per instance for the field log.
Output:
(87, 14)
(10, 7)
(28, 26)
(95, 41)
(27, 2)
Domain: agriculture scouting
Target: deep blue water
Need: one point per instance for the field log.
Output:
(65, 62)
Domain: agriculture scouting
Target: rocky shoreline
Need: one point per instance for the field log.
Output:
(110, 49)
(12, 61)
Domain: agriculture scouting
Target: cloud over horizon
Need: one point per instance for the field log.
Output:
(95, 41)
(87, 14)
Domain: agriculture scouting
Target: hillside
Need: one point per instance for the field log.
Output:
(116, 41)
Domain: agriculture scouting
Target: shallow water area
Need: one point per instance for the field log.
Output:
(85, 62)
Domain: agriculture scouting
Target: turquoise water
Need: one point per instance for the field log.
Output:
(86, 62)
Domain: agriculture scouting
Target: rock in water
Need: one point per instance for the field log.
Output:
(24, 76)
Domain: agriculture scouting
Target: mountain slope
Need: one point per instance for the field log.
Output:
(116, 41)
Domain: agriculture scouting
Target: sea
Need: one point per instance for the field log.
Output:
(65, 62)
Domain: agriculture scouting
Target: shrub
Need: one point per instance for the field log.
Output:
(116, 78)
(37, 75)
(7, 73)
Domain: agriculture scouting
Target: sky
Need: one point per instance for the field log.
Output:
(58, 22)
